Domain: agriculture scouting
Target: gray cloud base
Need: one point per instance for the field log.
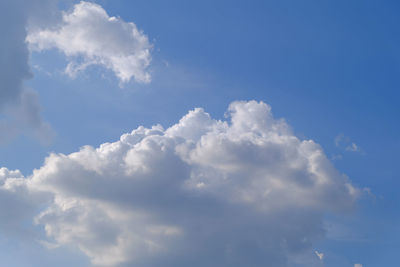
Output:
(244, 192)
(19, 106)
(13, 53)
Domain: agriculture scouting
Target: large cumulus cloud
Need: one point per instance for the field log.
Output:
(203, 192)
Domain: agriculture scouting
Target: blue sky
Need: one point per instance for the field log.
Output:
(330, 69)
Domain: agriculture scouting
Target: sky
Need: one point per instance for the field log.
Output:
(199, 133)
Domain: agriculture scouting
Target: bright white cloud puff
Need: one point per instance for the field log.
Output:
(320, 255)
(203, 192)
(89, 36)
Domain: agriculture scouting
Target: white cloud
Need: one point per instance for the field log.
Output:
(89, 36)
(358, 265)
(319, 255)
(243, 192)
(343, 141)
(353, 147)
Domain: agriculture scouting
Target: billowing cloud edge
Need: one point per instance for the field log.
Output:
(212, 192)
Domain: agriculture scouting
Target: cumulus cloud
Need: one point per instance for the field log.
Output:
(203, 192)
(88, 36)
(358, 265)
(17, 203)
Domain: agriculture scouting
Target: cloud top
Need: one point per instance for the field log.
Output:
(243, 192)
(89, 36)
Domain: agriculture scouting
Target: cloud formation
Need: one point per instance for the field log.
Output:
(13, 52)
(203, 192)
(320, 255)
(345, 142)
(88, 36)
(23, 115)
(19, 106)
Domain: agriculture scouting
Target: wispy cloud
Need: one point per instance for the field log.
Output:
(344, 142)
(319, 255)
(353, 148)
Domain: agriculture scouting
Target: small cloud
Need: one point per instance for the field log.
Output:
(41, 70)
(358, 265)
(344, 142)
(89, 36)
(48, 245)
(340, 139)
(166, 63)
(353, 147)
(319, 255)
